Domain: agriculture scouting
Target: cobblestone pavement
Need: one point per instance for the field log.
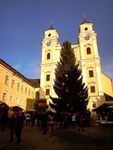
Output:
(93, 138)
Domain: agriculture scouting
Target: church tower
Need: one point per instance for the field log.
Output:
(87, 55)
(50, 55)
(90, 63)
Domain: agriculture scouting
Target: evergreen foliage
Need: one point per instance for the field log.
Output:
(68, 85)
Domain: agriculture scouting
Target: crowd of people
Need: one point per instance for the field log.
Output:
(44, 120)
(48, 121)
(16, 122)
(73, 120)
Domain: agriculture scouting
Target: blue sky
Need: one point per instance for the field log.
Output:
(23, 22)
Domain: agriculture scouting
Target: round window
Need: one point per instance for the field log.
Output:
(86, 29)
(49, 34)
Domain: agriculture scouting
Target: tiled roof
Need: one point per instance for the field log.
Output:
(35, 82)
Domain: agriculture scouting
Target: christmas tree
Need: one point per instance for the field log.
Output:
(72, 94)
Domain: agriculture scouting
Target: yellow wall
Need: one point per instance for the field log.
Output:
(107, 85)
(19, 96)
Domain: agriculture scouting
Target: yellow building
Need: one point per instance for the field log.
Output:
(100, 89)
(15, 89)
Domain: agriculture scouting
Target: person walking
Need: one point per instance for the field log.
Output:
(44, 122)
(81, 123)
(73, 120)
(11, 123)
(27, 119)
(18, 125)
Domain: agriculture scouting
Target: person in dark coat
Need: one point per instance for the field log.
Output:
(44, 122)
(11, 123)
(18, 125)
(3, 118)
(81, 122)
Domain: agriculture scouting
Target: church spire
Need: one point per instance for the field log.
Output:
(84, 20)
(51, 26)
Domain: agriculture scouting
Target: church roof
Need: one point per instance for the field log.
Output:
(51, 28)
(35, 82)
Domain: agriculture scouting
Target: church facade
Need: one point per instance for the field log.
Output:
(100, 89)
(16, 89)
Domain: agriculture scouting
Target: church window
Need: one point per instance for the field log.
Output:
(49, 34)
(47, 77)
(47, 91)
(48, 55)
(88, 50)
(86, 29)
(91, 73)
(92, 88)
(6, 80)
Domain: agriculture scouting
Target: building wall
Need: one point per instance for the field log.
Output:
(16, 91)
(107, 85)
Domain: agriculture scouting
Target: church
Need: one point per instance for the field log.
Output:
(15, 89)
(100, 89)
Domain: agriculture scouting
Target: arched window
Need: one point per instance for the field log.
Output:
(48, 55)
(47, 77)
(37, 95)
(88, 50)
